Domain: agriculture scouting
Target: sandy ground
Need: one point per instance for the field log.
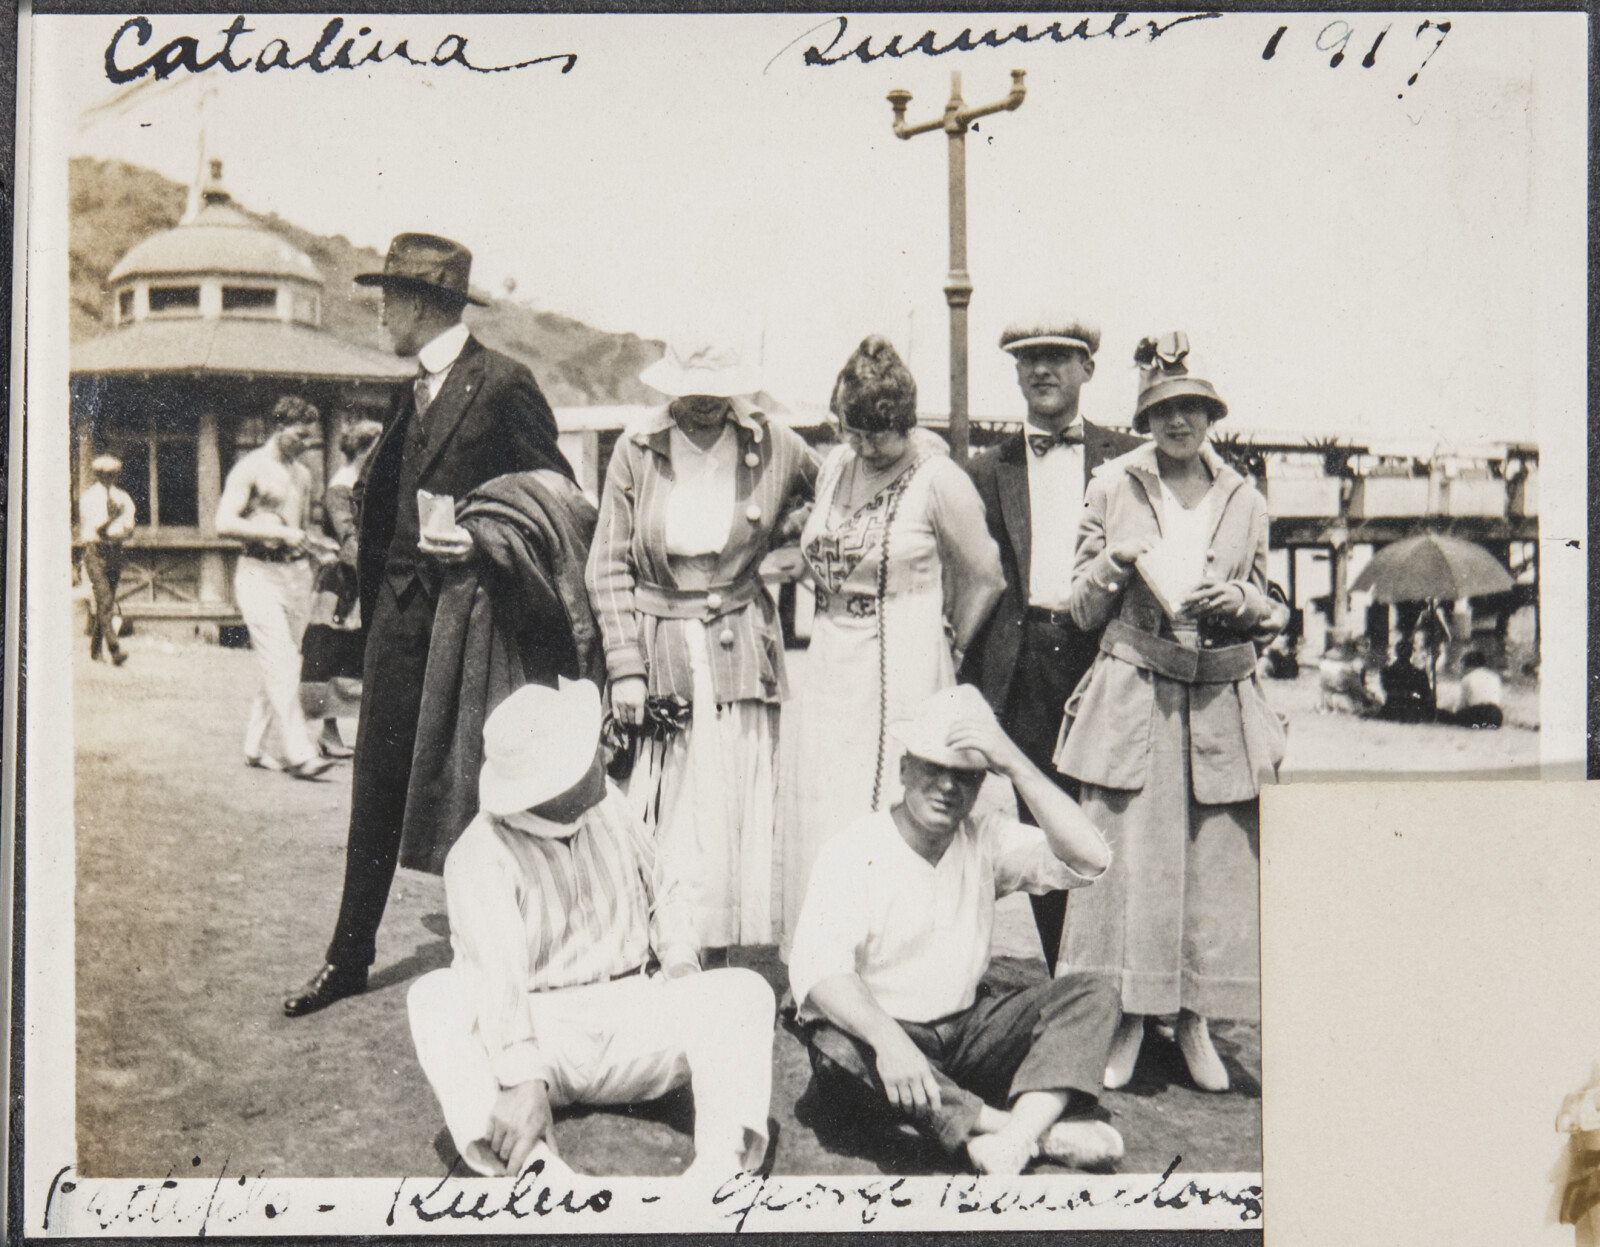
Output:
(206, 889)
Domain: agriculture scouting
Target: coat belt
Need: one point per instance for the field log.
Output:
(711, 603)
(1152, 653)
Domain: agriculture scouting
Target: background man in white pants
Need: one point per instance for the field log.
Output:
(266, 503)
(554, 997)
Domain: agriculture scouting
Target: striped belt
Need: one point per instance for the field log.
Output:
(707, 604)
(859, 605)
(1152, 653)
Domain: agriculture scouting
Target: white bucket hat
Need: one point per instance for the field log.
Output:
(926, 734)
(718, 369)
(538, 743)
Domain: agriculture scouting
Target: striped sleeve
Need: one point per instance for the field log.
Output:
(610, 573)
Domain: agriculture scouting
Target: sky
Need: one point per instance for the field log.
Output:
(1349, 251)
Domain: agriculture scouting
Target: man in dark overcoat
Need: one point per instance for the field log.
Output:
(470, 415)
(1029, 656)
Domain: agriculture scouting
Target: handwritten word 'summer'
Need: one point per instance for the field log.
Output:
(930, 43)
(329, 52)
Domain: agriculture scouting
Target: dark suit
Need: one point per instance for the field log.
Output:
(1026, 665)
(488, 418)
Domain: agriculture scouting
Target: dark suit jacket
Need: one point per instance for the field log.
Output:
(1001, 475)
(489, 418)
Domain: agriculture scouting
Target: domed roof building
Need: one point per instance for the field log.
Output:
(213, 321)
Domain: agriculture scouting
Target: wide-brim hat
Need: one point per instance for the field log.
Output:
(105, 463)
(538, 743)
(926, 734)
(715, 369)
(1167, 370)
(426, 263)
(1070, 332)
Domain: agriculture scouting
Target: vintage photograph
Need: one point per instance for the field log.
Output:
(696, 608)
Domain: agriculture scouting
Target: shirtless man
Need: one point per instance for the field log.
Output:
(266, 503)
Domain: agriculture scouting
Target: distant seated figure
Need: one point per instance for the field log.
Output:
(558, 916)
(1342, 674)
(1407, 695)
(891, 953)
(1482, 698)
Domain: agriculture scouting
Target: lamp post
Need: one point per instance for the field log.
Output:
(958, 285)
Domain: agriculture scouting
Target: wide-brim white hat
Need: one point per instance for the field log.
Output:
(715, 369)
(926, 734)
(105, 463)
(538, 743)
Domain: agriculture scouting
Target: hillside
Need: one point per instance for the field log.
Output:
(113, 205)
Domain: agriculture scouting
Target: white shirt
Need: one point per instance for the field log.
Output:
(1185, 539)
(917, 934)
(1055, 505)
(704, 483)
(551, 908)
(438, 356)
(99, 503)
(1482, 687)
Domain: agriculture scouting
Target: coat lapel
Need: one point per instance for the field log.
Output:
(453, 400)
(1011, 483)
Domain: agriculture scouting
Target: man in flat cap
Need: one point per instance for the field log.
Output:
(471, 414)
(891, 958)
(1030, 656)
(105, 520)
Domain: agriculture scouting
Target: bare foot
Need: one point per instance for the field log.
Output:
(1003, 1152)
(1082, 1144)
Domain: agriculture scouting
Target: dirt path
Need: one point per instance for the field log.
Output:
(206, 889)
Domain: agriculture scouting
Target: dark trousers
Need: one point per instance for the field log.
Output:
(102, 562)
(391, 695)
(1053, 1036)
(1052, 661)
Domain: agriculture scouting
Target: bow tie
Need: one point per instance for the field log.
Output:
(1042, 443)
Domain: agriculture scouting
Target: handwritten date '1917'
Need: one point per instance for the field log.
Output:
(1335, 37)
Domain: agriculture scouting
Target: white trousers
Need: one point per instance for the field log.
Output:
(275, 600)
(620, 1042)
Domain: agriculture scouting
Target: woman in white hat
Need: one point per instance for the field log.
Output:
(906, 573)
(1170, 735)
(696, 495)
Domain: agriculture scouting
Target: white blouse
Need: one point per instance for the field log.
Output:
(1186, 533)
(704, 484)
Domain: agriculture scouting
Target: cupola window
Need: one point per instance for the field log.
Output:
(174, 300)
(248, 299)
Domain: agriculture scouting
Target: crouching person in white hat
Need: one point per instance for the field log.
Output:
(575, 979)
(890, 958)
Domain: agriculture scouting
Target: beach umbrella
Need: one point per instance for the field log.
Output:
(1432, 568)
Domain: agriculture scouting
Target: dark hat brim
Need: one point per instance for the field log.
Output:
(400, 282)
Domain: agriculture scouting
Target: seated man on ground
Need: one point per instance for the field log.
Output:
(890, 958)
(558, 918)
(1482, 697)
(1407, 695)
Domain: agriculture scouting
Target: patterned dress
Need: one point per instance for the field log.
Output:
(929, 520)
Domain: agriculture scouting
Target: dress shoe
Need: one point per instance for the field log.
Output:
(262, 762)
(327, 985)
(330, 746)
(118, 657)
(311, 768)
(1194, 1041)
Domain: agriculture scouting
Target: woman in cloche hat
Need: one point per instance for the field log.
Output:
(696, 495)
(1169, 732)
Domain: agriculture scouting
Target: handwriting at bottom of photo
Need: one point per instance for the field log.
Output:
(224, 1202)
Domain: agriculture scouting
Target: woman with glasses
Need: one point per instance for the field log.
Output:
(905, 574)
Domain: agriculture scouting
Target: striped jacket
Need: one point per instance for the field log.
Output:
(628, 566)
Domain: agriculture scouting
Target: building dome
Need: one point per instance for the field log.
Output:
(219, 239)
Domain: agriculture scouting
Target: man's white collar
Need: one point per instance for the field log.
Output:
(442, 351)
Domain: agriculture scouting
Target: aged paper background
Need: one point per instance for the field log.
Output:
(1429, 994)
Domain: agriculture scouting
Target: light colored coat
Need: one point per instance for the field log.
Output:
(776, 472)
(1235, 739)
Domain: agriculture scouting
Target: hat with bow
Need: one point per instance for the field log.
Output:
(1167, 371)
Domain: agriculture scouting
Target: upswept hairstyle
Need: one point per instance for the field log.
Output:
(292, 409)
(875, 390)
(360, 435)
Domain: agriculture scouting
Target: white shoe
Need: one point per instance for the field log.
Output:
(1125, 1045)
(1194, 1041)
(1000, 1153)
(1082, 1144)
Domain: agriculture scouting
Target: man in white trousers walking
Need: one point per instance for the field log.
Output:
(575, 978)
(266, 503)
